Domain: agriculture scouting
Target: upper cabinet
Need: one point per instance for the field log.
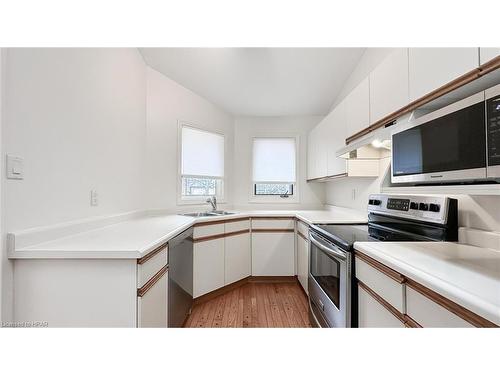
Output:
(357, 108)
(431, 68)
(335, 137)
(389, 85)
(487, 54)
(317, 151)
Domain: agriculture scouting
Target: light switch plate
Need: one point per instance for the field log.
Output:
(15, 168)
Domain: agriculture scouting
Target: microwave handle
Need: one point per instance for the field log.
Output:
(335, 253)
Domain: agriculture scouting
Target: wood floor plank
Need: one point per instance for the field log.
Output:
(254, 304)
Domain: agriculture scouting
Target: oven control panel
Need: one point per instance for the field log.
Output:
(423, 208)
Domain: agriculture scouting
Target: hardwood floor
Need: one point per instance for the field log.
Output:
(254, 304)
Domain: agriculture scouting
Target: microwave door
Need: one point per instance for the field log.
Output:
(446, 145)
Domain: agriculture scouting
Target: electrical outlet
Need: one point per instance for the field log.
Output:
(94, 199)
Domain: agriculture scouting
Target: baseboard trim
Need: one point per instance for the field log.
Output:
(250, 279)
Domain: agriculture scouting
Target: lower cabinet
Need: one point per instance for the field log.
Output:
(208, 266)
(372, 314)
(273, 254)
(302, 260)
(389, 299)
(237, 257)
(152, 308)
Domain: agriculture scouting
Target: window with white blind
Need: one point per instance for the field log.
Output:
(274, 167)
(201, 164)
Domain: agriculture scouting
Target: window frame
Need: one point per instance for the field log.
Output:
(275, 198)
(197, 199)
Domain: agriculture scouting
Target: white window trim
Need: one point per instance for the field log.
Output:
(196, 200)
(295, 198)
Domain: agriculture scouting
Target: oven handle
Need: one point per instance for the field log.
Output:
(336, 253)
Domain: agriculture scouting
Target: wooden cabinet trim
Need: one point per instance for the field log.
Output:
(273, 230)
(209, 238)
(451, 306)
(151, 254)
(301, 235)
(222, 221)
(152, 281)
(383, 302)
(396, 276)
(474, 74)
(235, 233)
(410, 323)
(221, 235)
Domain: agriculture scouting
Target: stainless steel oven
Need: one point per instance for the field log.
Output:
(329, 283)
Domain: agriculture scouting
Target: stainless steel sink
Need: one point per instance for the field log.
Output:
(209, 213)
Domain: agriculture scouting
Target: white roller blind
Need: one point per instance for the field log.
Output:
(274, 159)
(202, 153)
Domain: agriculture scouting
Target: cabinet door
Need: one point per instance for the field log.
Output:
(303, 262)
(372, 314)
(238, 257)
(336, 135)
(208, 266)
(316, 152)
(152, 306)
(273, 254)
(431, 68)
(389, 85)
(487, 54)
(357, 108)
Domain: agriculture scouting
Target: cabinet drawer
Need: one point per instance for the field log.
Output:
(429, 314)
(149, 265)
(235, 226)
(303, 228)
(391, 290)
(208, 230)
(278, 223)
(373, 315)
(152, 305)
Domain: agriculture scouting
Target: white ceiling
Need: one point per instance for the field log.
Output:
(260, 81)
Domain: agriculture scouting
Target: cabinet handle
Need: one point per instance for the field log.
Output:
(152, 281)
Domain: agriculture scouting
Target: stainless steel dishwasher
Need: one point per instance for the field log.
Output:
(180, 278)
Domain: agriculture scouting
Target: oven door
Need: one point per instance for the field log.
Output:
(329, 286)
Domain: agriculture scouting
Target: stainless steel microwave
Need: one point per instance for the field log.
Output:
(457, 143)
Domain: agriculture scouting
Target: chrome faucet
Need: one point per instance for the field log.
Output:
(213, 201)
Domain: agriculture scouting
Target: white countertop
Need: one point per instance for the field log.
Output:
(136, 237)
(467, 275)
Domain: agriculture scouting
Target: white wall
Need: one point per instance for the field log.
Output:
(312, 195)
(167, 103)
(78, 118)
(340, 192)
(3, 256)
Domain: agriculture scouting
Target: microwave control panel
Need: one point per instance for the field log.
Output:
(493, 130)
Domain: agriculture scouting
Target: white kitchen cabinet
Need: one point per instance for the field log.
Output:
(335, 137)
(152, 307)
(431, 68)
(429, 314)
(487, 54)
(273, 253)
(357, 108)
(374, 315)
(317, 152)
(208, 266)
(389, 85)
(238, 257)
(303, 261)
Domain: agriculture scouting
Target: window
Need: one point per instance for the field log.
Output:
(202, 164)
(274, 167)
